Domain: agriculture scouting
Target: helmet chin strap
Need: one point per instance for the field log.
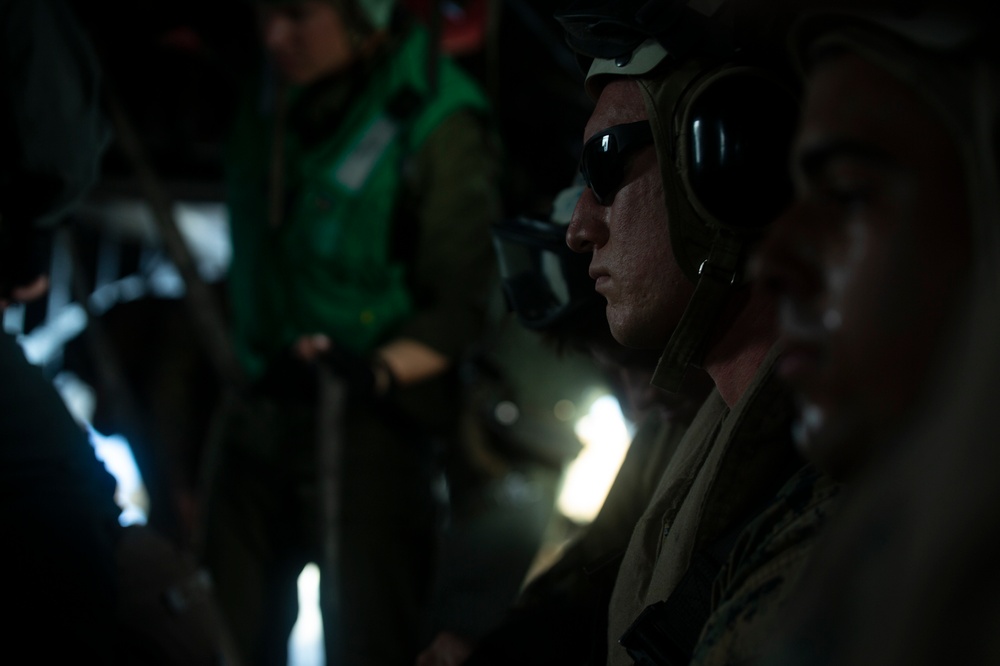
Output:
(718, 275)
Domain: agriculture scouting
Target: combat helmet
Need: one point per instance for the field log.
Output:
(723, 110)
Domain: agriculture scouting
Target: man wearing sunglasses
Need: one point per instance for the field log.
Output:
(684, 162)
(684, 158)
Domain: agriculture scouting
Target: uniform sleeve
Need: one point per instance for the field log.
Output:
(765, 565)
(561, 616)
(53, 129)
(457, 200)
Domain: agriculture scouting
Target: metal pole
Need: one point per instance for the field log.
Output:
(330, 418)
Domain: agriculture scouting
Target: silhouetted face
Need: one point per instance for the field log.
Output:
(868, 260)
(308, 40)
(624, 226)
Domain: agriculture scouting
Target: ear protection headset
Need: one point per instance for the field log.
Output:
(727, 129)
(733, 131)
(723, 129)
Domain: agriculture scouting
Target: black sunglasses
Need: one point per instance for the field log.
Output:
(602, 162)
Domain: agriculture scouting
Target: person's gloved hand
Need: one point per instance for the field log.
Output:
(364, 376)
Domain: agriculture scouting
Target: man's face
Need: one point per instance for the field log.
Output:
(632, 260)
(868, 260)
(308, 40)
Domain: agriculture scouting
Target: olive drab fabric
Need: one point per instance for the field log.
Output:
(561, 616)
(729, 465)
(328, 266)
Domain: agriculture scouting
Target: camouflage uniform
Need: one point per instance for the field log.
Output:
(763, 569)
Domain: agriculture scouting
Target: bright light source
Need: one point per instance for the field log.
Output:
(305, 645)
(131, 495)
(114, 450)
(605, 437)
(47, 340)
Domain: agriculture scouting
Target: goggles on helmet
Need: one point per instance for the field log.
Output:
(543, 280)
(602, 162)
(613, 29)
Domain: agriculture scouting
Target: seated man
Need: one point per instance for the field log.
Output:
(668, 251)
(684, 162)
(895, 220)
(548, 288)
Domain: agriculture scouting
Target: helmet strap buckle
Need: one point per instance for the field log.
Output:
(707, 269)
(717, 276)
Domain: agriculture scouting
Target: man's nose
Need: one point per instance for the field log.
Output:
(587, 227)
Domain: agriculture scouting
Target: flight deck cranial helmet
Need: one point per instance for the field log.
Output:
(723, 112)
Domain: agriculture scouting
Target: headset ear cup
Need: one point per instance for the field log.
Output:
(736, 134)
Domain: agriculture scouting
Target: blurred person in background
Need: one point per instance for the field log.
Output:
(79, 586)
(521, 447)
(58, 513)
(362, 180)
(886, 268)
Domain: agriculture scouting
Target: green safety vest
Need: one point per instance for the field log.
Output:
(327, 268)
